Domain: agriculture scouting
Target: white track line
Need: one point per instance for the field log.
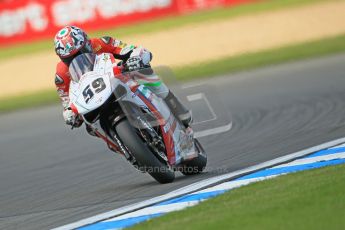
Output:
(328, 157)
(198, 185)
(195, 97)
(187, 86)
(156, 209)
(234, 184)
(208, 132)
(201, 96)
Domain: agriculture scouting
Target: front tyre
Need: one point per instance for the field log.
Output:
(143, 155)
(196, 165)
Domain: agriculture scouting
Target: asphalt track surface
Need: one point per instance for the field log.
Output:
(51, 176)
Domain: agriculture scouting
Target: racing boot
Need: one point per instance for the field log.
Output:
(153, 82)
(178, 109)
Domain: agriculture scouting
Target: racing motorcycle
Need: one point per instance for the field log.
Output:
(131, 119)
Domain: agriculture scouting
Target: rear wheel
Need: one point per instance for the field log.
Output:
(196, 165)
(146, 159)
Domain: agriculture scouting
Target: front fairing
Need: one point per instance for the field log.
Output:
(91, 86)
(85, 96)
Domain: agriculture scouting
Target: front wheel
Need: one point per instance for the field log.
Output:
(196, 165)
(146, 159)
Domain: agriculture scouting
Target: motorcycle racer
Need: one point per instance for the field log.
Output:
(72, 41)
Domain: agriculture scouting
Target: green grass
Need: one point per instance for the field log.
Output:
(307, 200)
(44, 97)
(163, 24)
(212, 68)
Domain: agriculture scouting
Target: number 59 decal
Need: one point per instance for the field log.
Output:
(96, 86)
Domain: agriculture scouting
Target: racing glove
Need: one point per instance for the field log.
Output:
(134, 63)
(71, 118)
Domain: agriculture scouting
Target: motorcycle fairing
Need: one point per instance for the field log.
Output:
(178, 141)
(94, 87)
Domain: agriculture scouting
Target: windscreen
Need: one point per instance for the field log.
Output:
(80, 65)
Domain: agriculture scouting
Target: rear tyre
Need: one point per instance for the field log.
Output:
(196, 165)
(146, 159)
